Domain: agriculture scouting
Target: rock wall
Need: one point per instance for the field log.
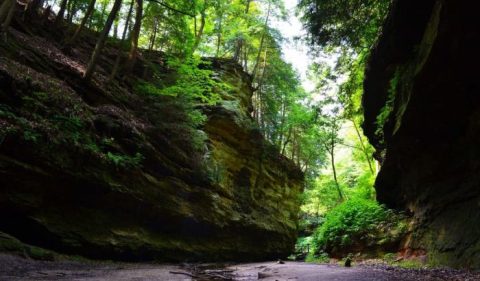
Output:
(424, 71)
(98, 170)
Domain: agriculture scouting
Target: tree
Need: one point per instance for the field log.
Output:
(101, 40)
(7, 9)
(61, 12)
(332, 124)
(86, 17)
(203, 18)
(132, 55)
(116, 65)
(352, 23)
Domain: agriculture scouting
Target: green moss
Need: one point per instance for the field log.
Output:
(12, 245)
(410, 264)
(125, 161)
(40, 254)
(386, 111)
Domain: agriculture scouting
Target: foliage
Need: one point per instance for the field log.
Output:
(353, 23)
(193, 88)
(357, 221)
(387, 109)
(194, 81)
(125, 161)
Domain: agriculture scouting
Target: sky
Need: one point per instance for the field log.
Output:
(295, 53)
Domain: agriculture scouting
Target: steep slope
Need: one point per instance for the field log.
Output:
(102, 170)
(423, 74)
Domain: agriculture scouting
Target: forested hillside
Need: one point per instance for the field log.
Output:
(185, 131)
(121, 149)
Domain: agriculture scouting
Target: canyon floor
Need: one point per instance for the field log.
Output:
(17, 268)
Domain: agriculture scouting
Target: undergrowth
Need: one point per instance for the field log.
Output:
(356, 223)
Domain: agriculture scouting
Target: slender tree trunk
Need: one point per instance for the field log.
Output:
(31, 9)
(46, 14)
(9, 17)
(331, 151)
(294, 143)
(262, 40)
(245, 59)
(153, 38)
(199, 34)
(88, 13)
(102, 15)
(115, 29)
(195, 25)
(116, 66)
(281, 135)
(70, 8)
(287, 140)
(127, 21)
(219, 36)
(264, 70)
(364, 149)
(61, 12)
(247, 6)
(5, 9)
(238, 50)
(132, 55)
(240, 42)
(101, 40)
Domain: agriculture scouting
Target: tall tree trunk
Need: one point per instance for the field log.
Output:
(199, 34)
(153, 38)
(132, 55)
(70, 8)
(8, 17)
(281, 129)
(247, 6)
(264, 70)
(88, 13)
(61, 12)
(116, 66)
(331, 151)
(31, 9)
(240, 42)
(101, 40)
(245, 59)
(219, 36)
(5, 9)
(262, 40)
(364, 149)
(287, 140)
(115, 29)
(127, 20)
(238, 50)
(46, 14)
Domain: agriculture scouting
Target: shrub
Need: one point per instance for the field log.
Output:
(357, 222)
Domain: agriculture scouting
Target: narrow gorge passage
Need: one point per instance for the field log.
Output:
(14, 268)
(239, 140)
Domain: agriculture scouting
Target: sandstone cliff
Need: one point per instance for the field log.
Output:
(102, 171)
(423, 74)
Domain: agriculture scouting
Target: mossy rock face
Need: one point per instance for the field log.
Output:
(98, 170)
(431, 168)
(10, 244)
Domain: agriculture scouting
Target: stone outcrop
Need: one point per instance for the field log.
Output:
(424, 73)
(100, 170)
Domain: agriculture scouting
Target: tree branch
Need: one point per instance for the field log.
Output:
(171, 8)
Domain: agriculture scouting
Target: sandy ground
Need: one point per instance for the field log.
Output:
(15, 268)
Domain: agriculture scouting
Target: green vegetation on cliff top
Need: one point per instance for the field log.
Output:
(318, 131)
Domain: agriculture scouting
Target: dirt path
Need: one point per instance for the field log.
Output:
(15, 268)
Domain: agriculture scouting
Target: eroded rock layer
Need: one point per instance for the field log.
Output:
(424, 71)
(99, 170)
